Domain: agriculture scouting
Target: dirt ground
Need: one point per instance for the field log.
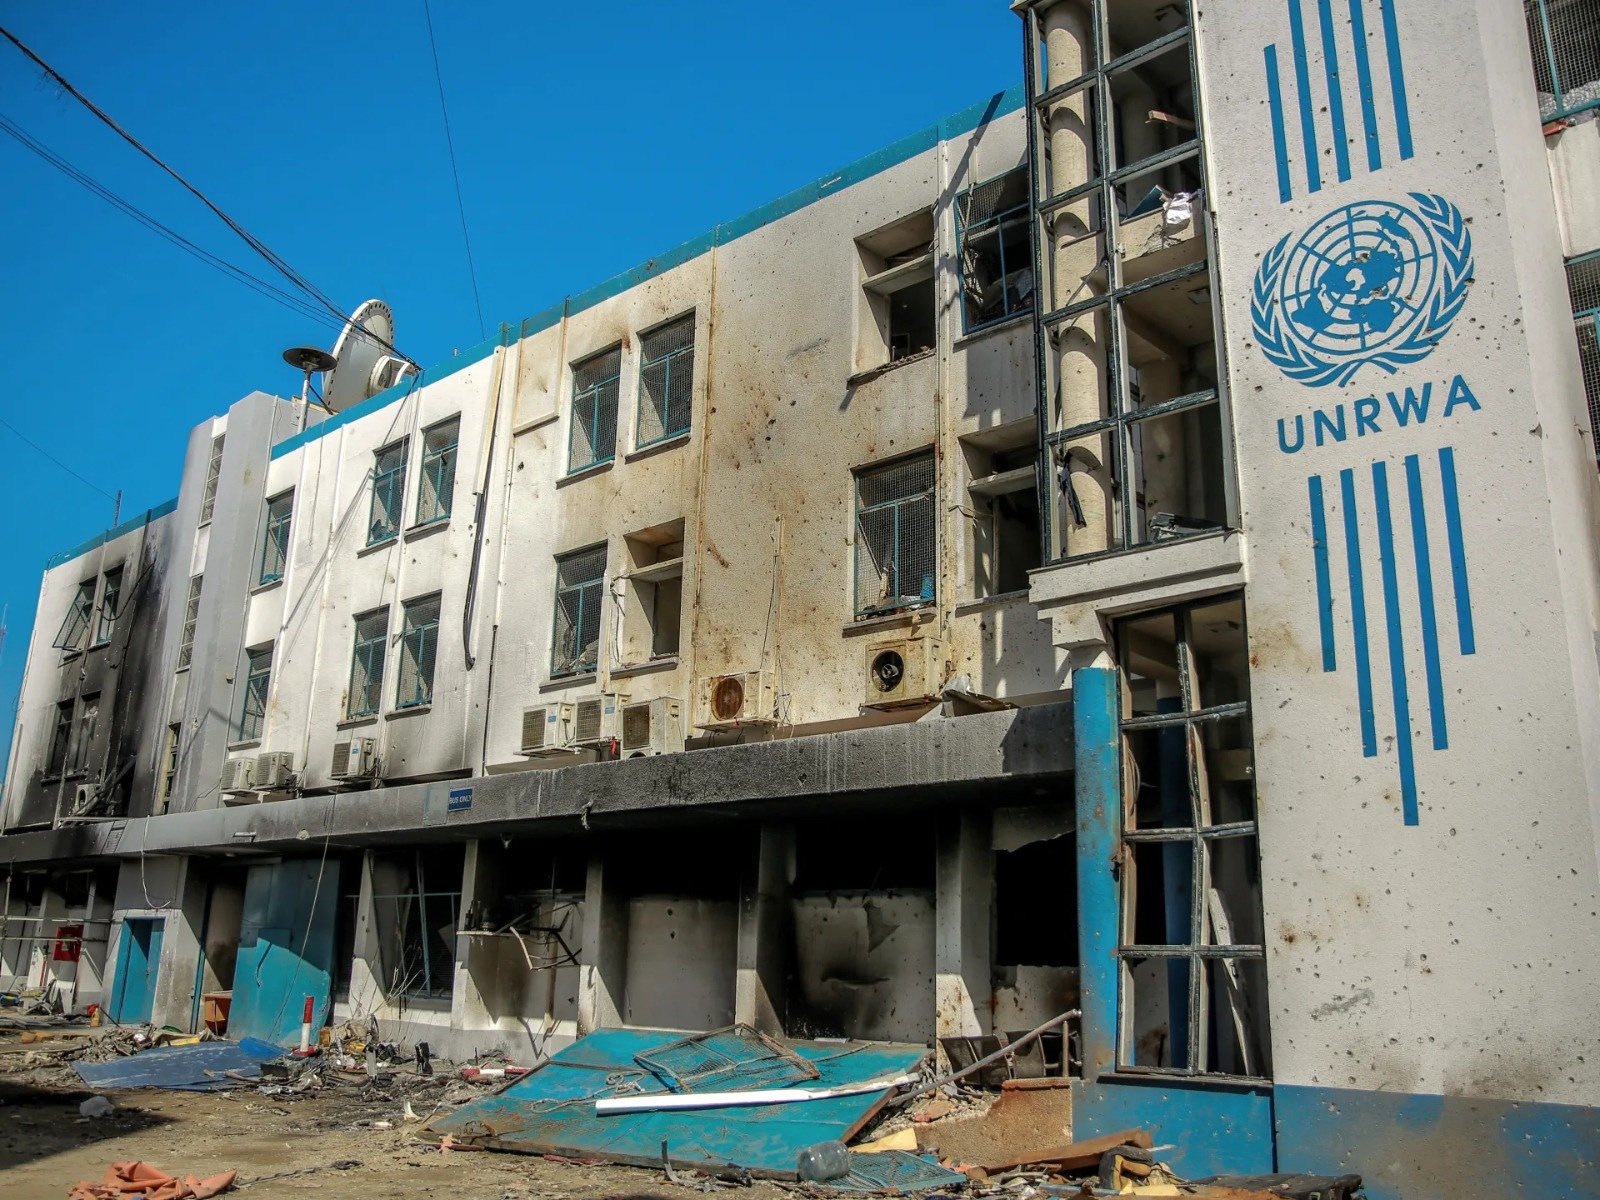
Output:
(282, 1146)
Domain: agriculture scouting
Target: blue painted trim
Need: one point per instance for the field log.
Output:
(1358, 614)
(1369, 114)
(1211, 1128)
(1397, 652)
(149, 516)
(1319, 554)
(1430, 624)
(1302, 78)
(1397, 78)
(1330, 67)
(1280, 139)
(1097, 787)
(1458, 550)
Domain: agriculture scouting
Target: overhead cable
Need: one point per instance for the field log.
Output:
(449, 141)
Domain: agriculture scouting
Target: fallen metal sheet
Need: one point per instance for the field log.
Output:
(551, 1110)
(199, 1068)
(737, 1057)
(897, 1172)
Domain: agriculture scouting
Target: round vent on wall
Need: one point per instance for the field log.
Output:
(727, 698)
(888, 670)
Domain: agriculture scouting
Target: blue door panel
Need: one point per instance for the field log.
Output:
(285, 950)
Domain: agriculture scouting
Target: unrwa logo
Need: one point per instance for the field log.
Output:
(1375, 282)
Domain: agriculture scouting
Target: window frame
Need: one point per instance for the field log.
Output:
(191, 620)
(277, 534)
(85, 728)
(667, 360)
(55, 763)
(594, 391)
(998, 221)
(80, 614)
(168, 779)
(597, 583)
(386, 482)
(1586, 322)
(1543, 44)
(418, 895)
(864, 611)
(208, 496)
(110, 600)
(366, 646)
(438, 468)
(414, 642)
(257, 685)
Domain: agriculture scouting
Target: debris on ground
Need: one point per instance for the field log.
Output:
(96, 1106)
(141, 1181)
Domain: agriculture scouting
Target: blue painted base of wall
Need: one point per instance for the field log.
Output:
(1409, 1147)
(1212, 1129)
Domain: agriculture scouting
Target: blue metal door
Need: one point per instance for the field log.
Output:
(285, 950)
(133, 994)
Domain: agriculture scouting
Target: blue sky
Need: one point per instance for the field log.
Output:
(589, 138)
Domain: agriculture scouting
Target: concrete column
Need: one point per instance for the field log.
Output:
(366, 967)
(479, 874)
(765, 932)
(604, 975)
(965, 898)
(1097, 781)
(1076, 250)
(179, 973)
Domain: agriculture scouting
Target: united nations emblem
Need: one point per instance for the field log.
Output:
(1376, 282)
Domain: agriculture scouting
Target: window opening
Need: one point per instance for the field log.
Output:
(580, 582)
(595, 386)
(275, 543)
(169, 766)
(253, 706)
(191, 618)
(1003, 507)
(897, 318)
(652, 593)
(1565, 36)
(388, 493)
(419, 647)
(83, 732)
(366, 663)
(110, 599)
(60, 736)
(436, 492)
(896, 560)
(1583, 286)
(996, 255)
(76, 623)
(208, 499)
(417, 905)
(666, 381)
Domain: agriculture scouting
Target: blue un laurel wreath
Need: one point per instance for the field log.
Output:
(1374, 282)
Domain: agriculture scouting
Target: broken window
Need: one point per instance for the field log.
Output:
(110, 599)
(897, 315)
(419, 649)
(275, 540)
(253, 697)
(666, 381)
(1566, 55)
(436, 491)
(208, 499)
(896, 536)
(580, 584)
(1583, 285)
(1191, 950)
(367, 662)
(416, 905)
(1004, 507)
(83, 731)
(191, 618)
(653, 595)
(388, 493)
(996, 250)
(76, 623)
(595, 385)
(60, 736)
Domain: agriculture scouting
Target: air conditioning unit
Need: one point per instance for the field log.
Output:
(904, 671)
(275, 770)
(652, 727)
(595, 721)
(744, 698)
(355, 759)
(238, 775)
(547, 729)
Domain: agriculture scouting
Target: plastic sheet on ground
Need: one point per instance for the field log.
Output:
(209, 1066)
(896, 1172)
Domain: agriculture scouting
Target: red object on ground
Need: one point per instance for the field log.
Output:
(140, 1181)
(68, 944)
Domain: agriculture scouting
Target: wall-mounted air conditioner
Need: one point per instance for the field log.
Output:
(652, 727)
(238, 775)
(742, 698)
(547, 729)
(275, 771)
(904, 671)
(355, 759)
(596, 720)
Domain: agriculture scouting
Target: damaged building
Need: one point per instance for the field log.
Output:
(1130, 547)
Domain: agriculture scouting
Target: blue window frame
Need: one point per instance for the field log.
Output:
(367, 662)
(253, 704)
(666, 381)
(897, 537)
(419, 648)
(436, 492)
(996, 250)
(595, 384)
(1565, 36)
(110, 599)
(388, 493)
(580, 582)
(275, 543)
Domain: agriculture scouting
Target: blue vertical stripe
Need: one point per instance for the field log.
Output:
(1430, 624)
(1458, 550)
(1319, 553)
(1302, 79)
(1330, 67)
(1397, 654)
(1280, 140)
(1358, 613)
(1397, 78)
(1369, 114)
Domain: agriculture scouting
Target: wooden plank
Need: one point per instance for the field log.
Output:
(1074, 1155)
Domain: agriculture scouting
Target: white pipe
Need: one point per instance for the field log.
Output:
(669, 1101)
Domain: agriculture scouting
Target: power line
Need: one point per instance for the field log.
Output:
(276, 260)
(450, 143)
(86, 482)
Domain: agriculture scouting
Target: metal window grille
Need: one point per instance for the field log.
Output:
(275, 543)
(76, 623)
(110, 598)
(208, 500)
(896, 536)
(366, 663)
(1565, 38)
(1583, 285)
(1192, 924)
(666, 381)
(257, 680)
(419, 648)
(417, 926)
(169, 764)
(997, 279)
(595, 385)
(580, 584)
(60, 736)
(388, 493)
(436, 493)
(191, 618)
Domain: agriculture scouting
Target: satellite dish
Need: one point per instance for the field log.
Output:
(364, 364)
